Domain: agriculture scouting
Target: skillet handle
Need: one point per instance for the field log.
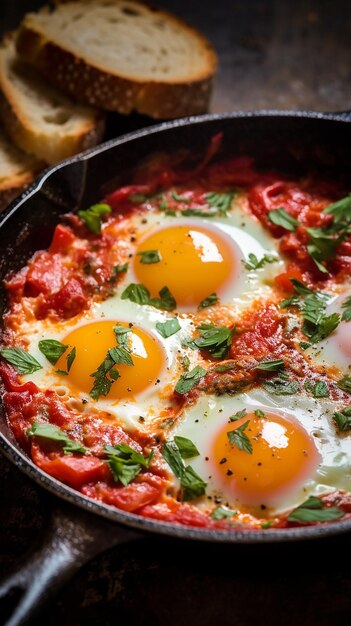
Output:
(73, 539)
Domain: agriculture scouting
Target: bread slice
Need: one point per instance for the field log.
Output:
(37, 117)
(17, 170)
(121, 55)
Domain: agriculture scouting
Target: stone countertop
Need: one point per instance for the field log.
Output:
(273, 54)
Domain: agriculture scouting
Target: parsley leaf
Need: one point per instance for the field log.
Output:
(125, 463)
(22, 361)
(240, 439)
(214, 339)
(282, 218)
(319, 389)
(221, 201)
(254, 264)
(281, 387)
(188, 380)
(341, 210)
(141, 295)
(147, 257)
(70, 358)
(222, 512)
(238, 415)
(119, 355)
(209, 301)
(192, 485)
(92, 217)
(177, 198)
(116, 271)
(54, 433)
(186, 447)
(52, 349)
(346, 316)
(313, 510)
(345, 383)
(168, 328)
(271, 366)
(317, 325)
(343, 419)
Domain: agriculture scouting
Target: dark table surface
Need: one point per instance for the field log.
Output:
(273, 54)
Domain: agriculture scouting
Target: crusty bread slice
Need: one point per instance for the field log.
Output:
(17, 170)
(37, 117)
(121, 55)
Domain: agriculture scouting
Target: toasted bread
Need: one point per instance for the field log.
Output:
(17, 170)
(121, 55)
(37, 117)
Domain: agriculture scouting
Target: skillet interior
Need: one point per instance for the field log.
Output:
(295, 142)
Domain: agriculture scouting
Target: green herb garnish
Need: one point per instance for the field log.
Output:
(147, 257)
(254, 264)
(22, 361)
(141, 295)
(282, 218)
(214, 339)
(222, 512)
(209, 301)
(125, 463)
(192, 485)
(188, 380)
(186, 447)
(314, 510)
(240, 439)
(318, 389)
(54, 433)
(92, 217)
(271, 366)
(343, 419)
(168, 328)
(52, 349)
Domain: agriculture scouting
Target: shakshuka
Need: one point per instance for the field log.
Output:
(182, 349)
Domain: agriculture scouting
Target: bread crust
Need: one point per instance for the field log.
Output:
(36, 142)
(93, 85)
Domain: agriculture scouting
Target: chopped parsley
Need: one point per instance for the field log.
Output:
(54, 433)
(52, 349)
(271, 366)
(22, 361)
(140, 295)
(222, 512)
(345, 383)
(168, 328)
(190, 379)
(92, 217)
(238, 415)
(125, 463)
(281, 386)
(107, 372)
(314, 510)
(316, 324)
(147, 257)
(282, 218)
(192, 485)
(343, 419)
(319, 389)
(186, 447)
(221, 201)
(240, 439)
(209, 301)
(214, 339)
(346, 316)
(254, 264)
(116, 271)
(70, 358)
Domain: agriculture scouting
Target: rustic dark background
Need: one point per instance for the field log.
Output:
(273, 54)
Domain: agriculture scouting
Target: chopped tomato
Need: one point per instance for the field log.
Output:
(283, 280)
(12, 381)
(130, 498)
(69, 301)
(73, 470)
(46, 274)
(62, 239)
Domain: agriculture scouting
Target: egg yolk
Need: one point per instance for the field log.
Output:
(194, 262)
(283, 456)
(93, 342)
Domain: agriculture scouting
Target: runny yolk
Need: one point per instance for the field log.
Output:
(283, 456)
(93, 341)
(195, 262)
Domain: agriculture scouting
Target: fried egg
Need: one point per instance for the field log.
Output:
(294, 450)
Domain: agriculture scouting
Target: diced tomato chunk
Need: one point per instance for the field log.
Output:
(12, 382)
(283, 280)
(70, 300)
(130, 498)
(73, 470)
(62, 239)
(46, 274)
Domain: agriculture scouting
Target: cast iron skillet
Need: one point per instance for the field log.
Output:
(292, 141)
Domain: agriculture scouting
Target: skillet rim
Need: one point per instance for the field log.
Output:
(123, 518)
